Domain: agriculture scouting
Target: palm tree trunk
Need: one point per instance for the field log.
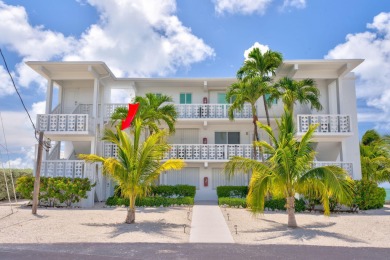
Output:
(130, 219)
(291, 212)
(266, 111)
(256, 133)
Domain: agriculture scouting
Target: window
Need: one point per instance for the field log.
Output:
(222, 98)
(267, 96)
(185, 98)
(227, 137)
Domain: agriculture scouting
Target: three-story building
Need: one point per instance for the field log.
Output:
(81, 97)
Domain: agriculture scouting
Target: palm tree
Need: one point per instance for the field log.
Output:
(375, 157)
(289, 170)
(291, 91)
(246, 92)
(153, 110)
(138, 164)
(263, 66)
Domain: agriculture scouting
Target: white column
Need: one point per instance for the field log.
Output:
(95, 97)
(49, 96)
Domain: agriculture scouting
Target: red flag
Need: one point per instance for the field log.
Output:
(133, 108)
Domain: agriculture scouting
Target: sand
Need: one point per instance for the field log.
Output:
(165, 225)
(98, 225)
(365, 229)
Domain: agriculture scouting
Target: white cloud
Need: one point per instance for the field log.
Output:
(373, 45)
(263, 49)
(241, 6)
(135, 38)
(25, 161)
(6, 87)
(300, 4)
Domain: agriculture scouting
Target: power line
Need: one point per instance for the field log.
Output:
(45, 143)
(17, 91)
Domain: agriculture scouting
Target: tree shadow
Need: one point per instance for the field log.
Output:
(303, 232)
(149, 227)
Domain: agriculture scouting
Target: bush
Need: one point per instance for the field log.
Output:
(232, 202)
(272, 204)
(16, 174)
(166, 191)
(171, 191)
(368, 195)
(55, 190)
(150, 201)
(232, 191)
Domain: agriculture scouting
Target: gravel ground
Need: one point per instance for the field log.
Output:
(365, 229)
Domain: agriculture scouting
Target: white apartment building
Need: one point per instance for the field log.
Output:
(81, 96)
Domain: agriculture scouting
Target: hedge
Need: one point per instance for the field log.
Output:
(150, 201)
(54, 191)
(167, 191)
(16, 173)
(272, 204)
(232, 191)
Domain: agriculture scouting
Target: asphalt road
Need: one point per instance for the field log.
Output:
(154, 251)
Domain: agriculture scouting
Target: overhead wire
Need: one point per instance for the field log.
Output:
(45, 143)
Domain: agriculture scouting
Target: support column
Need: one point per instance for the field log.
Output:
(95, 98)
(49, 96)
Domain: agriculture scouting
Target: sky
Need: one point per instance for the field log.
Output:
(184, 38)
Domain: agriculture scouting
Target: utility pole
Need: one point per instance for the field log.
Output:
(37, 174)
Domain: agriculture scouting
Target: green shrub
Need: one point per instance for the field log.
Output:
(166, 191)
(150, 201)
(16, 174)
(272, 204)
(55, 190)
(368, 195)
(232, 191)
(232, 202)
(171, 191)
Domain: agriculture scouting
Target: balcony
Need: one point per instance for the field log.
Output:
(214, 111)
(345, 165)
(195, 111)
(78, 122)
(330, 127)
(64, 168)
(198, 152)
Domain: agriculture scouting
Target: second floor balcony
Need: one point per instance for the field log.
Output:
(77, 122)
(195, 111)
(332, 125)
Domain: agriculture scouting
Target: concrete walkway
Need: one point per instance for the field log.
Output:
(208, 224)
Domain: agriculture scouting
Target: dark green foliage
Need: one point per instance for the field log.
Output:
(166, 191)
(232, 191)
(151, 201)
(171, 191)
(370, 136)
(232, 202)
(55, 190)
(368, 195)
(16, 173)
(271, 204)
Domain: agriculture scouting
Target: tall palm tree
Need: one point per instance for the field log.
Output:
(289, 170)
(138, 164)
(375, 157)
(153, 109)
(263, 66)
(292, 91)
(246, 92)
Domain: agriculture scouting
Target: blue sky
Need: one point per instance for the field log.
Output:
(204, 38)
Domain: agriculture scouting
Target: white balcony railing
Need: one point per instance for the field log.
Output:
(202, 152)
(63, 122)
(194, 110)
(64, 168)
(211, 111)
(327, 123)
(345, 165)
